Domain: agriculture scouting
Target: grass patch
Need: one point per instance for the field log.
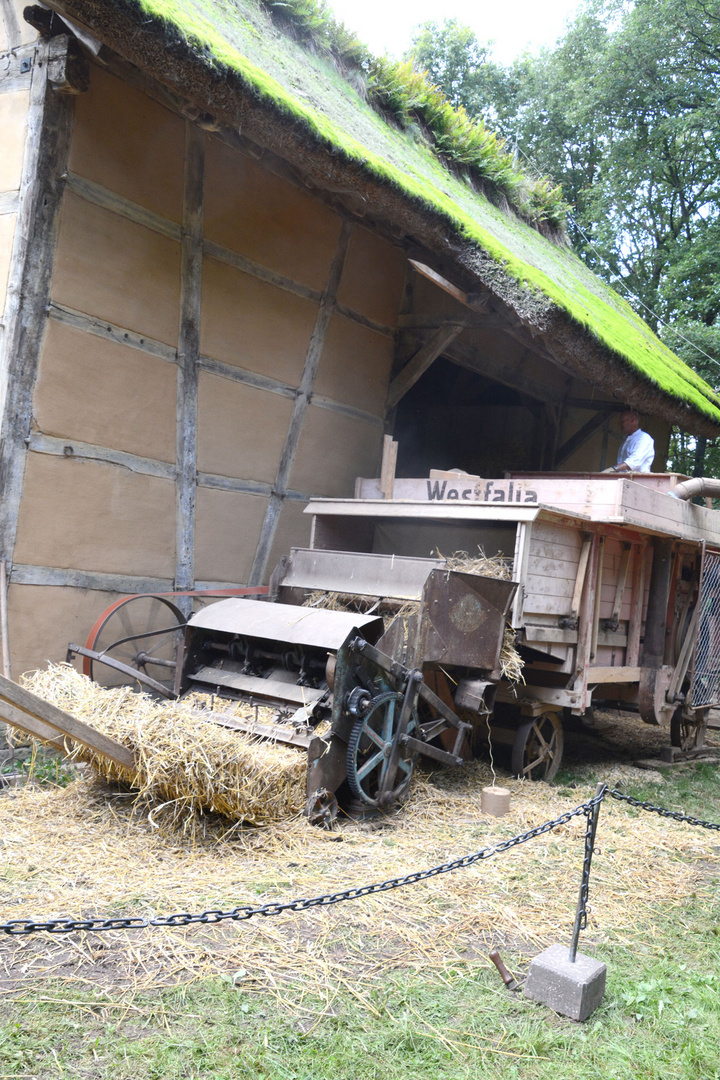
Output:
(659, 1020)
(397, 987)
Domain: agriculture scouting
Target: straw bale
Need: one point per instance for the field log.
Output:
(184, 761)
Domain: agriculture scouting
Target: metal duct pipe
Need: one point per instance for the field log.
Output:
(700, 485)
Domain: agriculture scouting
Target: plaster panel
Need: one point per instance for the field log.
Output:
(97, 391)
(85, 515)
(333, 450)
(7, 235)
(267, 219)
(129, 144)
(13, 128)
(14, 30)
(293, 530)
(355, 366)
(42, 620)
(227, 531)
(254, 325)
(373, 277)
(114, 269)
(241, 430)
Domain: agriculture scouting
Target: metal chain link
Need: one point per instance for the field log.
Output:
(674, 814)
(18, 927)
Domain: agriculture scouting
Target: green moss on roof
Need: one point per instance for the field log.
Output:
(241, 36)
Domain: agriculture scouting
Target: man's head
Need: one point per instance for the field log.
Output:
(629, 421)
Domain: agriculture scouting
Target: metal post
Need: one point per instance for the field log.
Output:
(581, 913)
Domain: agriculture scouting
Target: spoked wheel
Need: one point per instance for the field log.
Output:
(143, 632)
(687, 730)
(537, 750)
(321, 808)
(370, 748)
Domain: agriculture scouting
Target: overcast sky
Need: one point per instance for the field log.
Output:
(514, 25)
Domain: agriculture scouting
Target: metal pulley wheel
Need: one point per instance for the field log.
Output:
(142, 632)
(538, 746)
(370, 750)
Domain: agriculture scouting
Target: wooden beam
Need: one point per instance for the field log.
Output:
(26, 574)
(47, 144)
(78, 451)
(300, 407)
(38, 715)
(580, 437)
(418, 364)
(98, 195)
(475, 301)
(188, 360)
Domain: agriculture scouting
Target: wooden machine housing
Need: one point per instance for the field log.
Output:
(592, 557)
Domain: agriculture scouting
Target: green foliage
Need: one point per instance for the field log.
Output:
(412, 98)
(623, 113)
(458, 64)
(234, 38)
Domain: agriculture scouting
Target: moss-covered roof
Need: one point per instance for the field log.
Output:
(239, 39)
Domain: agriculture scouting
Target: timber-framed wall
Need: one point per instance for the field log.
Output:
(195, 344)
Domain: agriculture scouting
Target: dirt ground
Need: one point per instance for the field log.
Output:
(89, 850)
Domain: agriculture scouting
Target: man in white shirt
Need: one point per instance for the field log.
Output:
(638, 450)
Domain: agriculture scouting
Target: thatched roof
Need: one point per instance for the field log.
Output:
(235, 67)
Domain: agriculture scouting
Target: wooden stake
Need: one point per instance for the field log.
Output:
(388, 467)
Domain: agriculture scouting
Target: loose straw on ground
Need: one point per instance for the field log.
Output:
(86, 850)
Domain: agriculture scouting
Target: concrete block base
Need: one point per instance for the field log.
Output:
(573, 990)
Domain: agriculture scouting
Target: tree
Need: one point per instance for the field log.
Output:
(458, 64)
(623, 113)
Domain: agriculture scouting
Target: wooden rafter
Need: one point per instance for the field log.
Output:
(418, 364)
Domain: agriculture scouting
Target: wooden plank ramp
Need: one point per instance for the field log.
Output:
(37, 717)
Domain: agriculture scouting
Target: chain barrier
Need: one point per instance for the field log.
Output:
(674, 814)
(591, 808)
(592, 814)
(240, 914)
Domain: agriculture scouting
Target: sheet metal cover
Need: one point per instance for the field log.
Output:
(285, 622)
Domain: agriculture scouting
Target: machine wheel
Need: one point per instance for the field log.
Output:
(370, 746)
(537, 750)
(143, 632)
(322, 808)
(688, 732)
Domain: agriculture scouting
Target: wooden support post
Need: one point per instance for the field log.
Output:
(47, 144)
(636, 609)
(4, 631)
(580, 576)
(188, 360)
(598, 590)
(620, 590)
(300, 408)
(389, 464)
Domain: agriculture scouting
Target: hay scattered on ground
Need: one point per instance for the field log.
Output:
(84, 851)
(188, 763)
